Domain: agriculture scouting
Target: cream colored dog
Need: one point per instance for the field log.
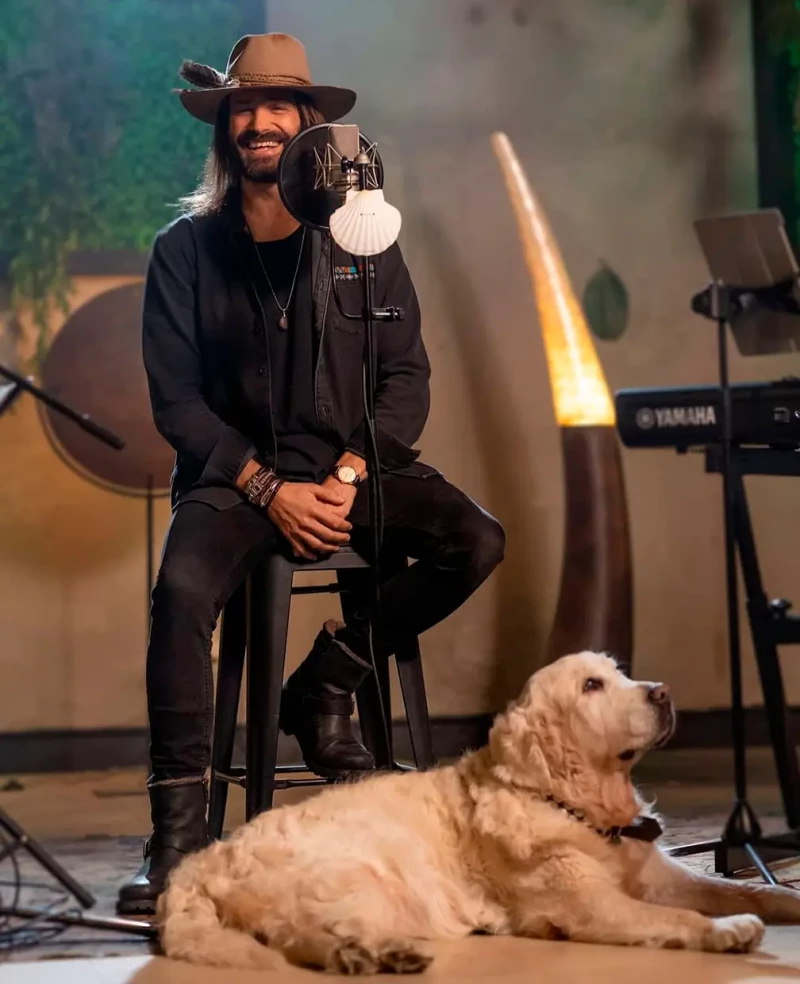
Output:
(516, 838)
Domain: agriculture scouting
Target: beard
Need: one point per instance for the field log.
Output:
(256, 167)
(261, 172)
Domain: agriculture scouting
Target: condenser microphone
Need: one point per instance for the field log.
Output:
(330, 177)
(316, 171)
(334, 168)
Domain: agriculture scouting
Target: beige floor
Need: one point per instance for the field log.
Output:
(97, 807)
(477, 958)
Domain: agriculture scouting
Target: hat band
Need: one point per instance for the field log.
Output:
(254, 78)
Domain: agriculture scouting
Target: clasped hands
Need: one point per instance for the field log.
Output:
(313, 518)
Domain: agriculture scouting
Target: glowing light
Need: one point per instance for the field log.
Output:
(580, 392)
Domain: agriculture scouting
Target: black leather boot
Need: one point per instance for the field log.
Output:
(178, 812)
(317, 706)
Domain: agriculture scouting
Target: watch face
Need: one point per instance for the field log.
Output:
(347, 474)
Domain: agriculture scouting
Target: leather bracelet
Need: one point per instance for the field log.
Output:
(255, 485)
(270, 492)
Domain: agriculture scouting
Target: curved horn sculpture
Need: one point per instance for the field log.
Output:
(595, 607)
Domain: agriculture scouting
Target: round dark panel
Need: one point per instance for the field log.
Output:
(95, 365)
(299, 173)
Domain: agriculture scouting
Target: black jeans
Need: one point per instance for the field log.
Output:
(208, 553)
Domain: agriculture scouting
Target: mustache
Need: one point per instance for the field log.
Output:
(247, 137)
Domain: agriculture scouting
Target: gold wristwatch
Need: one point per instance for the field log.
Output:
(347, 475)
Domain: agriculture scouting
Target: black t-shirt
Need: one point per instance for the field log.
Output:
(302, 453)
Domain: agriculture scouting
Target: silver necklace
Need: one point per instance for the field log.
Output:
(283, 321)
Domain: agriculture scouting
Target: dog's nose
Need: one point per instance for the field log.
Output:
(658, 693)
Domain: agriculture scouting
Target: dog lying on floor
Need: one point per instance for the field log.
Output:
(539, 834)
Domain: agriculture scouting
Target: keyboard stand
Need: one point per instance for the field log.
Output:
(771, 625)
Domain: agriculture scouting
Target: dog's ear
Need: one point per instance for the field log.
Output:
(516, 746)
(533, 745)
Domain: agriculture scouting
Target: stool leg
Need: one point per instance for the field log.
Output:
(268, 603)
(229, 685)
(412, 684)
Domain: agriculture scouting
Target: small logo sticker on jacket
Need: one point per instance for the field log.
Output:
(350, 274)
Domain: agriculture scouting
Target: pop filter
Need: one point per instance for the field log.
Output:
(312, 180)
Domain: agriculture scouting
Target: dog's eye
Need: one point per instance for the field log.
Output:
(593, 683)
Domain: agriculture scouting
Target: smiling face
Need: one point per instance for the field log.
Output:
(260, 125)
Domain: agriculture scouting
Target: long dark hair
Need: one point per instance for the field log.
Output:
(221, 175)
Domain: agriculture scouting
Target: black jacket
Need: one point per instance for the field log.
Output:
(205, 353)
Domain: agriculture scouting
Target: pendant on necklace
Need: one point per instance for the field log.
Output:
(283, 324)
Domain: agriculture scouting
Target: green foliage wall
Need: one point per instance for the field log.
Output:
(782, 33)
(94, 147)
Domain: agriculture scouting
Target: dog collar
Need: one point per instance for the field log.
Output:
(643, 828)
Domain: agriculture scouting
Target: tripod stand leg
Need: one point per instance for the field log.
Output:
(49, 863)
(137, 927)
(20, 840)
(759, 865)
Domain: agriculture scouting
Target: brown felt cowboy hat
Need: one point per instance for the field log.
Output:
(261, 61)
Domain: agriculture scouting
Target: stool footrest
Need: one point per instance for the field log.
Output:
(307, 589)
(235, 777)
(291, 783)
(239, 770)
(238, 776)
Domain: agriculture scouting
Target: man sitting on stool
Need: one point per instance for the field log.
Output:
(255, 380)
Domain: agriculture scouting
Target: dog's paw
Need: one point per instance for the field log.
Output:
(734, 934)
(353, 958)
(399, 957)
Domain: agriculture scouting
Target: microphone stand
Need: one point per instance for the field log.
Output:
(12, 837)
(83, 420)
(369, 315)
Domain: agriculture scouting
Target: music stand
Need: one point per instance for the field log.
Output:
(754, 292)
